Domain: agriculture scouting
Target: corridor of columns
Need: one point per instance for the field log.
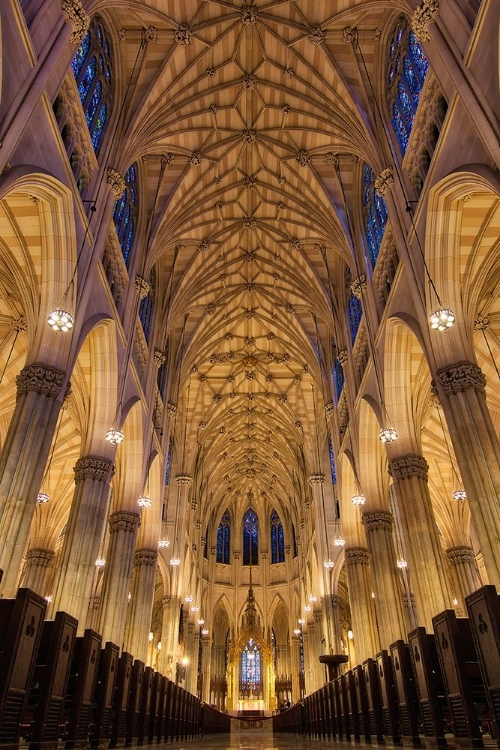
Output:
(269, 431)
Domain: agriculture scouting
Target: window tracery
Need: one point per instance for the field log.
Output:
(407, 68)
(146, 307)
(125, 213)
(354, 313)
(374, 214)
(224, 538)
(92, 68)
(250, 538)
(277, 539)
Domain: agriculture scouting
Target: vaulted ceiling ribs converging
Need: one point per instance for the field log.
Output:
(250, 223)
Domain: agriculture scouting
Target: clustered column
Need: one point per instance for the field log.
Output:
(35, 574)
(140, 606)
(465, 572)
(388, 593)
(426, 565)
(364, 624)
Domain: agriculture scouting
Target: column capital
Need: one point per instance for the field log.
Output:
(77, 17)
(317, 478)
(41, 379)
(184, 480)
(92, 467)
(39, 556)
(336, 601)
(146, 557)
(406, 467)
(115, 182)
(377, 519)
(358, 286)
(329, 408)
(423, 17)
(342, 355)
(384, 182)
(357, 556)
(123, 520)
(171, 410)
(159, 357)
(460, 555)
(461, 377)
(142, 287)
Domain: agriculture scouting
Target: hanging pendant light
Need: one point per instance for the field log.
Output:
(115, 437)
(100, 562)
(388, 435)
(175, 562)
(358, 500)
(339, 542)
(145, 501)
(442, 319)
(402, 564)
(60, 320)
(163, 543)
(459, 494)
(328, 564)
(42, 498)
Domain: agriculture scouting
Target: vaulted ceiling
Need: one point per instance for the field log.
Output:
(238, 113)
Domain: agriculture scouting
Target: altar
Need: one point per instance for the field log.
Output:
(250, 704)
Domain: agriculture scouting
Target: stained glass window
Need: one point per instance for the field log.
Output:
(125, 213)
(332, 461)
(146, 307)
(406, 71)
(169, 461)
(250, 538)
(224, 538)
(92, 68)
(277, 539)
(374, 214)
(251, 680)
(354, 313)
(338, 376)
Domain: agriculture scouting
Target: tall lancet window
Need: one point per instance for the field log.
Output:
(354, 314)
(406, 71)
(92, 67)
(251, 679)
(125, 214)
(250, 538)
(277, 539)
(146, 307)
(374, 214)
(224, 538)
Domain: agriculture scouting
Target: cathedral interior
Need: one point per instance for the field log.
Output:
(250, 327)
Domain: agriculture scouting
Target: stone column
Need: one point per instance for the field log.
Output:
(386, 584)
(295, 659)
(191, 651)
(84, 531)
(165, 662)
(437, 40)
(426, 566)
(22, 463)
(206, 665)
(364, 623)
(140, 607)
(478, 454)
(337, 632)
(123, 526)
(35, 574)
(464, 571)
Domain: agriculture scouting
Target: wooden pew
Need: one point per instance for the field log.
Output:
(461, 676)
(118, 733)
(429, 684)
(50, 681)
(134, 705)
(375, 714)
(352, 705)
(341, 724)
(406, 691)
(104, 694)
(164, 726)
(388, 696)
(362, 702)
(21, 623)
(81, 686)
(484, 617)
(157, 693)
(145, 709)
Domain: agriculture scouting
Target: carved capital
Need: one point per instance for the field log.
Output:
(422, 19)
(40, 557)
(166, 602)
(342, 356)
(409, 466)
(461, 377)
(357, 556)
(377, 519)
(171, 410)
(317, 478)
(92, 467)
(336, 601)
(329, 408)
(461, 555)
(41, 379)
(159, 357)
(184, 480)
(77, 17)
(142, 287)
(115, 182)
(123, 520)
(146, 557)
(358, 286)
(384, 182)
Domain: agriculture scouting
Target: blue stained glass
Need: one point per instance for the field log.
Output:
(119, 209)
(99, 34)
(101, 62)
(88, 77)
(277, 539)
(332, 462)
(400, 127)
(223, 538)
(406, 103)
(124, 213)
(251, 668)
(411, 77)
(99, 124)
(106, 46)
(250, 538)
(338, 375)
(145, 315)
(169, 461)
(80, 55)
(108, 73)
(131, 174)
(128, 244)
(418, 56)
(94, 104)
(375, 215)
(354, 312)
